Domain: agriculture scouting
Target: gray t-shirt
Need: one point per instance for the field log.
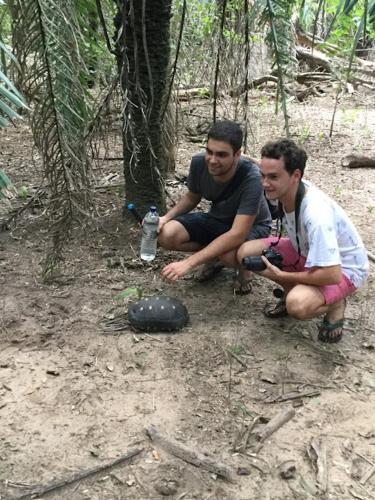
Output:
(247, 199)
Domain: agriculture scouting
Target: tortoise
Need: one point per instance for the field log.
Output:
(159, 313)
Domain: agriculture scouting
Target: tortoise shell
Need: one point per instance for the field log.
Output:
(158, 314)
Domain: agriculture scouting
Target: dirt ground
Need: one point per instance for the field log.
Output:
(75, 394)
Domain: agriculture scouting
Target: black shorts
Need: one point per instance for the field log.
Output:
(203, 228)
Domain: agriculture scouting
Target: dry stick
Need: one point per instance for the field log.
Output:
(192, 457)
(364, 458)
(318, 453)
(293, 395)
(237, 358)
(78, 476)
(367, 476)
(369, 473)
(241, 446)
(274, 424)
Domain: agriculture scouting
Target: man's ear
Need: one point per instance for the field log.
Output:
(297, 174)
(237, 154)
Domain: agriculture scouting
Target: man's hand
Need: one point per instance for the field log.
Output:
(176, 270)
(271, 272)
(162, 221)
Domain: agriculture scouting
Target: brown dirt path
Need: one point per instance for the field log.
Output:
(73, 395)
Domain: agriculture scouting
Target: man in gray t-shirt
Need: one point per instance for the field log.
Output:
(238, 212)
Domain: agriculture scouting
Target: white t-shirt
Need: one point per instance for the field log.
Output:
(327, 237)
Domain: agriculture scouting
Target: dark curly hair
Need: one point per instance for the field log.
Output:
(227, 131)
(294, 156)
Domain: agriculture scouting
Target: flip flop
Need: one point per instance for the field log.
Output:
(331, 332)
(277, 310)
(241, 287)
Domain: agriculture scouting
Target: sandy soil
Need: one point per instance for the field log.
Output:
(75, 394)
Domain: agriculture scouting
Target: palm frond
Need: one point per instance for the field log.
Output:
(357, 37)
(335, 16)
(5, 182)
(349, 6)
(346, 7)
(277, 14)
(10, 98)
(371, 12)
(55, 77)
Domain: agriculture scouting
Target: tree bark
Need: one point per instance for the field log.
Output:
(142, 50)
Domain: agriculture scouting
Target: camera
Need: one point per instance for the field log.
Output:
(256, 263)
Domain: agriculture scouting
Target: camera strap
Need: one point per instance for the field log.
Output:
(299, 197)
(297, 210)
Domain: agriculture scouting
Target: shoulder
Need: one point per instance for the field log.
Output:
(314, 196)
(250, 174)
(317, 207)
(198, 159)
(198, 166)
(248, 166)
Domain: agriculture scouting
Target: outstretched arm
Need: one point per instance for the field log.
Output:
(230, 240)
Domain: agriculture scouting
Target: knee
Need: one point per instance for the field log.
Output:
(242, 252)
(296, 306)
(166, 240)
(170, 236)
(228, 258)
(250, 248)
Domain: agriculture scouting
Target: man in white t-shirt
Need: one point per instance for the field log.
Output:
(324, 259)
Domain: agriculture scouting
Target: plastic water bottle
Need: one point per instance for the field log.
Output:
(150, 235)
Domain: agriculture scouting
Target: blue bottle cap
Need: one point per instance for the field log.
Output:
(131, 206)
(152, 208)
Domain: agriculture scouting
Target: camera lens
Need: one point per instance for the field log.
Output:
(254, 263)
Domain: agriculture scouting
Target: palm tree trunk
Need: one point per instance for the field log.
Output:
(142, 49)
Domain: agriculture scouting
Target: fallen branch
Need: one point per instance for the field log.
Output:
(192, 457)
(355, 161)
(253, 84)
(314, 59)
(293, 395)
(185, 94)
(318, 59)
(273, 425)
(313, 41)
(243, 438)
(78, 476)
(315, 76)
(317, 452)
(367, 476)
(237, 358)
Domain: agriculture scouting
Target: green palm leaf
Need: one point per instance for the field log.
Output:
(10, 98)
(5, 182)
(277, 14)
(349, 5)
(346, 7)
(48, 34)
